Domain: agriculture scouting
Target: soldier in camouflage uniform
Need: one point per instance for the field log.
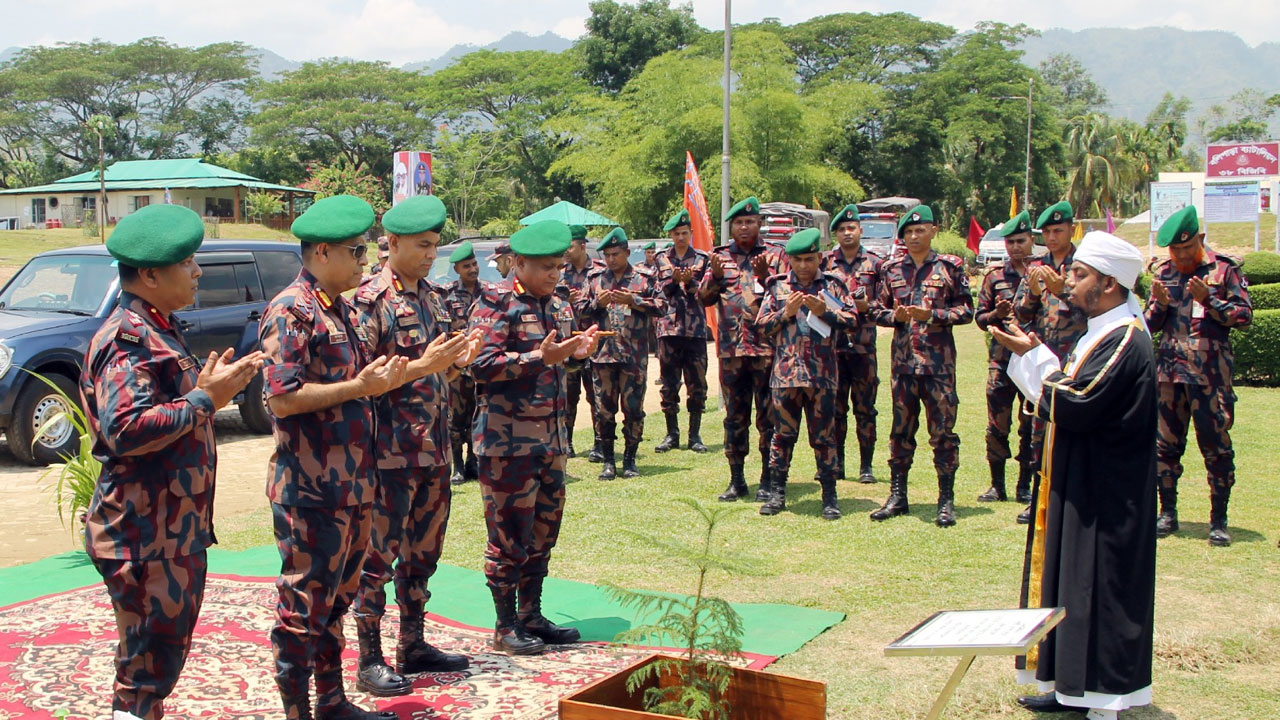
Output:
(503, 259)
(622, 300)
(650, 265)
(856, 348)
(802, 312)
(384, 251)
(520, 432)
(995, 308)
(734, 283)
(577, 266)
(318, 385)
(1197, 297)
(403, 315)
(1042, 305)
(923, 295)
(150, 409)
(459, 299)
(682, 334)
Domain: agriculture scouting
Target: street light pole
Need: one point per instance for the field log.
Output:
(724, 140)
(1026, 178)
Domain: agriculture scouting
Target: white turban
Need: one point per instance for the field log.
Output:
(1117, 258)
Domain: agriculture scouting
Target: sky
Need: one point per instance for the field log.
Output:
(401, 31)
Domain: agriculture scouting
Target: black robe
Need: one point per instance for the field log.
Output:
(1098, 520)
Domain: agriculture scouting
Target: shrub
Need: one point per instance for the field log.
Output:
(1257, 349)
(1265, 297)
(949, 243)
(1261, 268)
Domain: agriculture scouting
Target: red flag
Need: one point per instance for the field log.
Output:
(699, 219)
(975, 235)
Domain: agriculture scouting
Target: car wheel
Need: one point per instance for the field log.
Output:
(253, 409)
(36, 403)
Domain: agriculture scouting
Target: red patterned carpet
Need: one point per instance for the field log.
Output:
(56, 654)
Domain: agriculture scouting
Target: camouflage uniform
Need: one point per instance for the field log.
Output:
(411, 507)
(651, 335)
(804, 377)
(621, 363)
(1003, 398)
(924, 361)
(682, 341)
(1194, 364)
(745, 355)
(320, 483)
(581, 376)
(859, 379)
(151, 516)
(462, 388)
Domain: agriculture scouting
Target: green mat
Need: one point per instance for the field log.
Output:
(456, 593)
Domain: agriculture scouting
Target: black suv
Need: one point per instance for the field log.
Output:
(50, 310)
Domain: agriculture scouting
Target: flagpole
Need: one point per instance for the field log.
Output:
(724, 139)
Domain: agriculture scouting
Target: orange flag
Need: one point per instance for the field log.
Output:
(699, 219)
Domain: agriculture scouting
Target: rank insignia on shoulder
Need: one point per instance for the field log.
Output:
(129, 337)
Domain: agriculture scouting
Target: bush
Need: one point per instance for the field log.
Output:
(949, 243)
(1257, 349)
(1265, 297)
(1261, 268)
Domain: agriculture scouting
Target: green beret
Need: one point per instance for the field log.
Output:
(1179, 228)
(578, 232)
(651, 245)
(848, 214)
(156, 236)
(668, 246)
(1055, 214)
(806, 241)
(465, 251)
(750, 206)
(542, 239)
(617, 237)
(1020, 223)
(680, 219)
(418, 214)
(915, 216)
(333, 219)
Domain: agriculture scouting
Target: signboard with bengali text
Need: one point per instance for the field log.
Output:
(1231, 202)
(1249, 160)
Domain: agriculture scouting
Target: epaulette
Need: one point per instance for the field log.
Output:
(774, 278)
(304, 311)
(831, 275)
(132, 328)
(597, 270)
(643, 269)
(895, 260)
(1231, 259)
(955, 260)
(494, 293)
(370, 289)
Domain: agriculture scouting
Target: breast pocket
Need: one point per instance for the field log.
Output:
(528, 335)
(409, 340)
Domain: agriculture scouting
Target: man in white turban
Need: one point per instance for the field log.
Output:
(1092, 542)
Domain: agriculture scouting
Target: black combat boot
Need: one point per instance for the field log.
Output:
(867, 453)
(571, 452)
(472, 469)
(737, 484)
(695, 432)
(946, 516)
(374, 675)
(1167, 523)
(629, 468)
(509, 636)
(1026, 474)
(1024, 517)
(534, 622)
(997, 492)
(830, 508)
(297, 707)
(766, 486)
(332, 702)
(777, 500)
(596, 455)
(414, 654)
(897, 503)
(672, 440)
(609, 467)
(1218, 535)
(457, 478)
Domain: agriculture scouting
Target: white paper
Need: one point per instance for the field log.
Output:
(978, 628)
(756, 287)
(1197, 310)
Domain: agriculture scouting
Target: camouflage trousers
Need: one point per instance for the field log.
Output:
(620, 384)
(581, 380)
(859, 382)
(1003, 402)
(1212, 411)
(687, 357)
(742, 381)
(322, 551)
(523, 504)
(819, 408)
(462, 409)
(938, 394)
(409, 516)
(156, 604)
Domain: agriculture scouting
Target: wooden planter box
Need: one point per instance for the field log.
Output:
(753, 695)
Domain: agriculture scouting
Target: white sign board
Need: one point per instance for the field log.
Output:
(1167, 198)
(1231, 202)
(973, 632)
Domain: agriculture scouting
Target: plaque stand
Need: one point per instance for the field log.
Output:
(969, 633)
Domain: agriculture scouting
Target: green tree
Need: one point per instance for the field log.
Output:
(342, 178)
(621, 38)
(864, 47)
(1246, 118)
(471, 174)
(1070, 86)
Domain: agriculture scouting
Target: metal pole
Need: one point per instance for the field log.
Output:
(102, 192)
(1026, 185)
(724, 151)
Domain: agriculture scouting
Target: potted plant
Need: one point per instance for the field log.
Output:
(701, 682)
(78, 475)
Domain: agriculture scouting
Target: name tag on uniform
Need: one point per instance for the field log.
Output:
(130, 337)
(897, 283)
(784, 292)
(406, 320)
(529, 318)
(186, 363)
(337, 338)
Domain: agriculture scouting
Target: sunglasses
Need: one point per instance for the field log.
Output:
(357, 251)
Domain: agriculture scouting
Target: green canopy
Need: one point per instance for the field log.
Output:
(567, 213)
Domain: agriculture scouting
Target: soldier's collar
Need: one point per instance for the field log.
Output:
(145, 309)
(397, 284)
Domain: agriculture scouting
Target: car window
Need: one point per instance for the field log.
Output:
(67, 283)
(229, 284)
(878, 230)
(277, 269)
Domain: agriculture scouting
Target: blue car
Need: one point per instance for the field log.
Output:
(50, 310)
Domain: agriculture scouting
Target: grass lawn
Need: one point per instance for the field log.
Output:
(1232, 238)
(1218, 620)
